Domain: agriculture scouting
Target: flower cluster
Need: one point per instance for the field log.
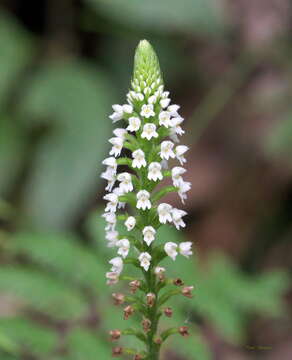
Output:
(145, 146)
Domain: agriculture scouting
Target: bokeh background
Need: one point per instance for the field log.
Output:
(228, 64)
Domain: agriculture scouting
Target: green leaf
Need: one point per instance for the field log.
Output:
(76, 98)
(28, 335)
(42, 292)
(202, 16)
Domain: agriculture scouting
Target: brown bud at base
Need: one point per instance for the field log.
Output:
(117, 351)
(178, 282)
(187, 291)
(150, 299)
(158, 341)
(184, 331)
(128, 311)
(119, 298)
(168, 312)
(115, 334)
(146, 324)
(134, 285)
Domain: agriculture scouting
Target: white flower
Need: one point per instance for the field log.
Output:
(124, 247)
(159, 270)
(126, 182)
(175, 128)
(145, 259)
(119, 192)
(111, 220)
(149, 234)
(139, 159)
(130, 223)
(166, 150)
(143, 201)
(117, 143)
(170, 249)
(164, 103)
(176, 174)
(183, 188)
(117, 114)
(164, 212)
(152, 99)
(173, 109)
(110, 177)
(179, 153)
(120, 133)
(117, 264)
(147, 90)
(111, 164)
(164, 119)
(177, 215)
(128, 108)
(185, 248)
(112, 202)
(134, 124)
(149, 131)
(154, 171)
(112, 238)
(112, 277)
(147, 110)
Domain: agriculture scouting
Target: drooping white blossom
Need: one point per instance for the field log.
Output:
(143, 201)
(112, 202)
(149, 131)
(119, 192)
(166, 151)
(180, 150)
(130, 223)
(173, 109)
(154, 171)
(164, 119)
(124, 247)
(117, 114)
(117, 143)
(171, 249)
(138, 159)
(164, 103)
(185, 248)
(145, 259)
(147, 110)
(117, 264)
(111, 220)
(112, 236)
(111, 164)
(183, 188)
(111, 179)
(134, 124)
(149, 234)
(177, 215)
(125, 182)
(164, 213)
(128, 109)
(176, 175)
(120, 133)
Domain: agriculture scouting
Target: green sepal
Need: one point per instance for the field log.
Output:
(132, 261)
(128, 198)
(171, 331)
(139, 335)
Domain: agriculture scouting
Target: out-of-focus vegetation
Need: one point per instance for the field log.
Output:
(62, 65)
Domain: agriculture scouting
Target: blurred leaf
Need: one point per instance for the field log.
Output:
(202, 16)
(64, 255)
(42, 292)
(84, 344)
(194, 347)
(28, 335)
(77, 98)
(6, 344)
(16, 51)
(280, 139)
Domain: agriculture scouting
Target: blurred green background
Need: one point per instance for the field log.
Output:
(62, 65)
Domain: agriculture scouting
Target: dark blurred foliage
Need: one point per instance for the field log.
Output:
(62, 65)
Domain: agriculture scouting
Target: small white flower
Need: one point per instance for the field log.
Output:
(112, 238)
(177, 215)
(164, 213)
(159, 270)
(170, 249)
(149, 131)
(152, 99)
(176, 174)
(164, 103)
(112, 202)
(139, 159)
(185, 248)
(154, 171)
(173, 109)
(166, 150)
(130, 223)
(111, 164)
(176, 129)
(120, 133)
(110, 176)
(183, 188)
(124, 247)
(149, 234)
(117, 143)
(126, 182)
(112, 278)
(164, 119)
(134, 124)
(128, 108)
(111, 220)
(117, 264)
(143, 201)
(119, 192)
(180, 150)
(147, 110)
(117, 114)
(145, 259)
